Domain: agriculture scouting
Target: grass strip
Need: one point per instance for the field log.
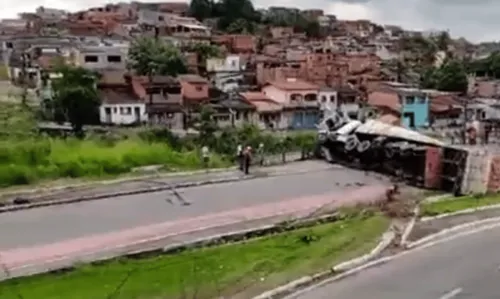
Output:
(455, 204)
(238, 270)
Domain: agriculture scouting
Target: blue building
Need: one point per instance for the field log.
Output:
(414, 108)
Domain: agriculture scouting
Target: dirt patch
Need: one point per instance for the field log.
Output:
(423, 229)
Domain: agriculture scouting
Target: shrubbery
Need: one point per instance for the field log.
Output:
(27, 161)
(225, 141)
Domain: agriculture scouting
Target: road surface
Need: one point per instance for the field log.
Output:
(466, 267)
(39, 239)
(57, 223)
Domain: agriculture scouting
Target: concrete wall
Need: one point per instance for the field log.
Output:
(477, 169)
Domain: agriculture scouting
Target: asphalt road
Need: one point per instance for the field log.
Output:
(58, 223)
(463, 268)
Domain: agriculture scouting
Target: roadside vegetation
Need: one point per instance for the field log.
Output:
(27, 157)
(455, 204)
(237, 270)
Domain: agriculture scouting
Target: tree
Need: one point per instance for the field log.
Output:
(443, 40)
(239, 26)
(148, 56)
(450, 76)
(75, 96)
(232, 10)
(207, 126)
(201, 9)
(312, 29)
(204, 51)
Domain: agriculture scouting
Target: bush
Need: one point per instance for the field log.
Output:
(26, 161)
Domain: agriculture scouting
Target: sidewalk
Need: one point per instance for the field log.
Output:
(154, 184)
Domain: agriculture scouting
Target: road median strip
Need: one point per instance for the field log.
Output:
(450, 205)
(245, 262)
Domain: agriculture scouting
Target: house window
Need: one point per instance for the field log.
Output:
(115, 110)
(421, 100)
(114, 58)
(91, 58)
(332, 99)
(125, 110)
(410, 100)
(198, 88)
(161, 18)
(323, 99)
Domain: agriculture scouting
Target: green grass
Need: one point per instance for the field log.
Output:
(29, 160)
(237, 270)
(454, 204)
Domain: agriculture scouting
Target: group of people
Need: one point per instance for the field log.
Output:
(244, 156)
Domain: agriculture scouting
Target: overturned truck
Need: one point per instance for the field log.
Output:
(406, 155)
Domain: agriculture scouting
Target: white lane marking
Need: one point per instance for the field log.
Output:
(452, 294)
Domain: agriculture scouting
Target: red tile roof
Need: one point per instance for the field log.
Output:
(261, 102)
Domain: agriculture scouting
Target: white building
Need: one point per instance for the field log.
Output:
(227, 72)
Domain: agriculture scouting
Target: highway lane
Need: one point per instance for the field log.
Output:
(463, 268)
(58, 223)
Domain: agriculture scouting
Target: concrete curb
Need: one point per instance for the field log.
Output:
(306, 284)
(165, 187)
(456, 230)
(13, 208)
(345, 269)
(157, 175)
(213, 240)
(461, 212)
(387, 239)
(115, 181)
(47, 203)
(409, 228)
(439, 197)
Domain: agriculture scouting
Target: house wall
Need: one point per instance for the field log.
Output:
(417, 105)
(173, 121)
(294, 118)
(328, 99)
(122, 114)
(238, 119)
(232, 63)
(262, 120)
(104, 56)
(284, 96)
(304, 119)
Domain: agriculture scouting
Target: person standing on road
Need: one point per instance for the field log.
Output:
(239, 156)
(205, 156)
(247, 157)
